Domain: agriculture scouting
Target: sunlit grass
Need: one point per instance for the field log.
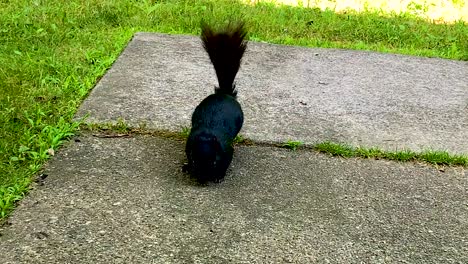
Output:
(437, 11)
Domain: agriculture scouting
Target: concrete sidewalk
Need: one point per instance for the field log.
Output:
(311, 95)
(125, 200)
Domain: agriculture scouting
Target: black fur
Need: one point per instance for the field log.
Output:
(218, 119)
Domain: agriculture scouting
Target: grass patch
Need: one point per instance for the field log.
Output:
(429, 156)
(53, 53)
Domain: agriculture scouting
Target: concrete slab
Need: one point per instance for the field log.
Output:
(125, 200)
(362, 98)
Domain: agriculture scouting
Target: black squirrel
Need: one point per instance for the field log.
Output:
(218, 119)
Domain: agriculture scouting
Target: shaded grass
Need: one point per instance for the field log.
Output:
(428, 156)
(53, 52)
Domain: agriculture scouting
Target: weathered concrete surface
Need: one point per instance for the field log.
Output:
(363, 98)
(125, 200)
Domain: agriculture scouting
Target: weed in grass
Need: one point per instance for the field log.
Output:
(292, 145)
(185, 132)
(335, 149)
(94, 126)
(436, 157)
(239, 139)
(443, 158)
(369, 153)
(460, 160)
(121, 126)
(404, 155)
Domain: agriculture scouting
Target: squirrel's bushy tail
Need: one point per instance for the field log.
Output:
(225, 49)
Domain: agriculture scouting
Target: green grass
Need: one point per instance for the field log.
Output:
(429, 156)
(53, 52)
